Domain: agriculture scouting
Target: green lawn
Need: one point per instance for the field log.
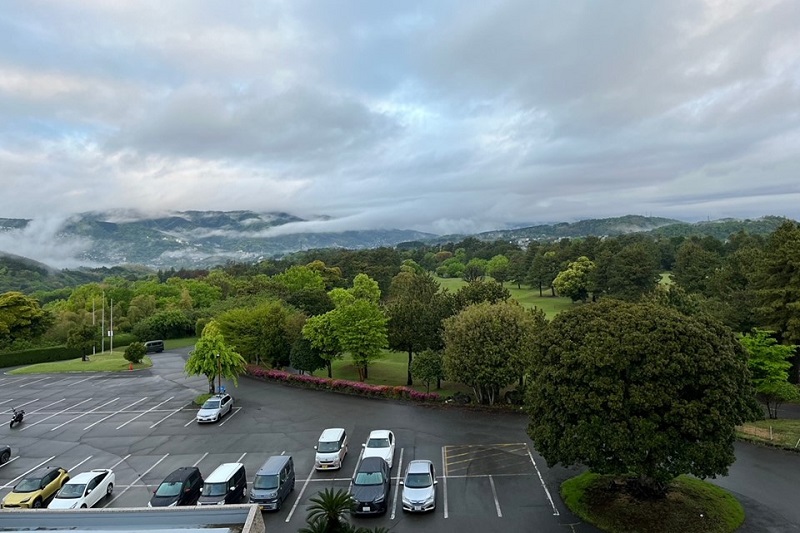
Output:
(785, 432)
(391, 369)
(100, 362)
(551, 305)
(691, 506)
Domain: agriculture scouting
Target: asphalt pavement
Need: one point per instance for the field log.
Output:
(141, 424)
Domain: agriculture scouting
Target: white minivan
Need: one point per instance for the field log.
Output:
(331, 449)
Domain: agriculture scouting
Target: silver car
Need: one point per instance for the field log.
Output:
(419, 487)
(215, 408)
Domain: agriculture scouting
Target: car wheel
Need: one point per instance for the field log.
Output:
(5, 457)
(110, 489)
(37, 504)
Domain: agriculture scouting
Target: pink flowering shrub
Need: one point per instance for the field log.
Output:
(342, 385)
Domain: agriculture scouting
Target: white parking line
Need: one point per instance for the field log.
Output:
(230, 415)
(9, 461)
(144, 413)
(35, 381)
(444, 480)
(544, 486)
(169, 415)
(350, 486)
(36, 400)
(6, 401)
(54, 414)
(83, 414)
(112, 467)
(140, 476)
(496, 501)
(114, 413)
(82, 380)
(13, 481)
(198, 461)
(46, 406)
(299, 496)
(79, 464)
(397, 484)
(242, 457)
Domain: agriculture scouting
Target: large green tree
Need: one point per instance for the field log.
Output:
(488, 346)
(83, 338)
(214, 358)
(575, 281)
(320, 332)
(633, 271)
(777, 281)
(769, 364)
(260, 333)
(498, 268)
(21, 318)
(415, 309)
(638, 390)
(543, 270)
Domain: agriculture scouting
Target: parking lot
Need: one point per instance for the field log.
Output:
(141, 424)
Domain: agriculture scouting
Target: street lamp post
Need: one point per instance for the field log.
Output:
(219, 374)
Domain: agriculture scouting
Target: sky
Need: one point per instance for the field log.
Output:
(452, 116)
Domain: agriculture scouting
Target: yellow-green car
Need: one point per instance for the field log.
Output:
(36, 488)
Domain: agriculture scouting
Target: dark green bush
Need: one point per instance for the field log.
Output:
(135, 352)
(38, 355)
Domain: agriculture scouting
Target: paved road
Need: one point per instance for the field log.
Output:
(141, 424)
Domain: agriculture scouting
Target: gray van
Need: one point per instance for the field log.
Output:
(226, 484)
(154, 346)
(273, 483)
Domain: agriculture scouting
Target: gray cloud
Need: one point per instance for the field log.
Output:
(443, 117)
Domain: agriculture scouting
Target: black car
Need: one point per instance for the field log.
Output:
(371, 485)
(5, 453)
(181, 487)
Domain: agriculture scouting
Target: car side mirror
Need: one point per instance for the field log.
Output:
(232, 489)
(315, 447)
(435, 482)
(88, 491)
(154, 491)
(363, 445)
(400, 482)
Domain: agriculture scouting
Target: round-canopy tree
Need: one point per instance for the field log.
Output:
(638, 390)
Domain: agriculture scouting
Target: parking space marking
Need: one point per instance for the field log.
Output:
(9, 461)
(36, 400)
(241, 457)
(299, 496)
(397, 484)
(230, 415)
(69, 378)
(46, 406)
(35, 381)
(169, 415)
(544, 485)
(54, 414)
(350, 486)
(444, 479)
(6, 401)
(115, 412)
(79, 464)
(10, 483)
(496, 501)
(144, 413)
(83, 414)
(198, 461)
(112, 467)
(140, 476)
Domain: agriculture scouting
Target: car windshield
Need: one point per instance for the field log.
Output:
(211, 404)
(169, 489)
(29, 485)
(368, 478)
(418, 481)
(266, 482)
(328, 447)
(71, 490)
(378, 443)
(215, 489)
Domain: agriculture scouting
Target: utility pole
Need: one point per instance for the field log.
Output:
(111, 328)
(103, 326)
(219, 374)
(94, 328)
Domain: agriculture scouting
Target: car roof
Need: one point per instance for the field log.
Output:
(84, 477)
(219, 396)
(223, 472)
(370, 464)
(181, 473)
(273, 465)
(331, 434)
(41, 472)
(419, 466)
(379, 434)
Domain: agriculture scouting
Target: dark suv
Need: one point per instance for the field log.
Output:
(371, 484)
(181, 487)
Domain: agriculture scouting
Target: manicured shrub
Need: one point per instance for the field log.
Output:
(135, 352)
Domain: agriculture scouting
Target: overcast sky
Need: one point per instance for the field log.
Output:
(441, 116)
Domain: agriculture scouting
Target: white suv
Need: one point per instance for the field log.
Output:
(215, 408)
(380, 444)
(331, 449)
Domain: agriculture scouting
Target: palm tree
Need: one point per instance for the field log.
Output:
(328, 512)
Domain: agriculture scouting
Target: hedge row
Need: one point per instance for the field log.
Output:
(342, 385)
(33, 356)
(38, 355)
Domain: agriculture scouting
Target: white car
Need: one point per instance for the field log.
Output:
(215, 408)
(380, 444)
(84, 490)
